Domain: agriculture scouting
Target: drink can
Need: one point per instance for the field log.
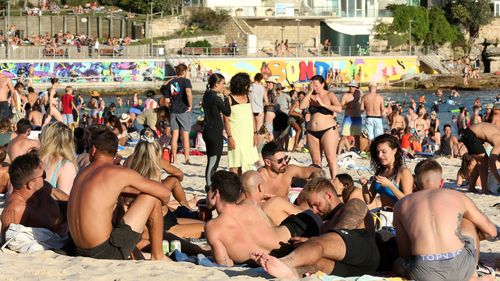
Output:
(175, 245)
(166, 247)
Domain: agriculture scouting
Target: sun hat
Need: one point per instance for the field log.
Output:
(353, 84)
(124, 118)
(95, 94)
(279, 86)
(272, 79)
(489, 106)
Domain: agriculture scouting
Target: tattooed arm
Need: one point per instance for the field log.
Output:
(352, 216)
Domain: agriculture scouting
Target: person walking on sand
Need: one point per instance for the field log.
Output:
(179, 94)
(351, 126)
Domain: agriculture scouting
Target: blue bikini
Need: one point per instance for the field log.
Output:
(383, 190)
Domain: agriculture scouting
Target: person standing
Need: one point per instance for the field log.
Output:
(373, 104)
(258, 95)
(352, 117)
(179, 95)
(6, 86)
(240, 126)
(213, 106)
(68, 105)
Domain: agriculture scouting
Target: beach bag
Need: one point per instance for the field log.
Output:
(24, 239)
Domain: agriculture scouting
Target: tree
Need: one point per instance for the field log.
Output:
(419, 17)
(440, 30)
(471, 14)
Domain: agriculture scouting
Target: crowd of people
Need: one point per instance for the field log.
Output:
(59, 158)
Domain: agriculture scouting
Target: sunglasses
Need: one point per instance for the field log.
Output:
(280, 161)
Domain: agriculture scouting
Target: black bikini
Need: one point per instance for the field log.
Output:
(323, 110)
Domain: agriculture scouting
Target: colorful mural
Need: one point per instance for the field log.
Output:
(300, 70)
(86, 72)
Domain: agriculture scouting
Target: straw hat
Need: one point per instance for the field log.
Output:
(353, 84)
(124, 118)
(95, 94)
(489, 106)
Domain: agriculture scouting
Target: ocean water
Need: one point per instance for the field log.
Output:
(445, 113)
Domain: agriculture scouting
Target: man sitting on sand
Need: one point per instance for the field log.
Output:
(21, 144)
(346, 249)
(277, 174)
(96, 228)
(33, 202)
(438, 230)
(473, 138)
(276, 208)
(243, 227)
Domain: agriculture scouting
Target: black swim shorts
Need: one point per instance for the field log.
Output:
(362, 255)
(119, 246)
(473, 144)
(5, 111)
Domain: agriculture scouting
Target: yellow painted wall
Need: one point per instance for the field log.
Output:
(299, 70)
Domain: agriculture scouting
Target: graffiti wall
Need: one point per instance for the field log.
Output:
(300, 70)
(85, 72)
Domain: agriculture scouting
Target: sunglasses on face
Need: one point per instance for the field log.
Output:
(280, 161)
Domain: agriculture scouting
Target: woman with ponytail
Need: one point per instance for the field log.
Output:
(213, 105)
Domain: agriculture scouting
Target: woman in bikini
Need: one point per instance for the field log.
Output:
(322, 128)
(392, 180)
(57, 152)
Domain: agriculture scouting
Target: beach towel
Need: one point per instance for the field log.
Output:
(24, 239)
(324, 277)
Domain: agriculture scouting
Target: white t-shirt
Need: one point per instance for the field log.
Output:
(256, 94)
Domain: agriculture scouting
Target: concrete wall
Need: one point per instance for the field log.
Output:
(215, 40)
(270, 30)
(92, 26)
(167, 26)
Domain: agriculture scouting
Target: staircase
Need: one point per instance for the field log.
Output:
(238, 30)
(434, 62)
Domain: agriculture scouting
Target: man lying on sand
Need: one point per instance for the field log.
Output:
(346, 249)
(276, 208)
(438, 230)
(33, 200)
(95, 229)
(474, 138)
(243, 227)
(277, 174)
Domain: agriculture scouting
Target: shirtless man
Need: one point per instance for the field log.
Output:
(36, 117)
(373, 104)
(473, 138)
(243, 227)
(411, 117)
(428, 241)
(21, 144)
(93, 199)
(398, 121)
(33, 202)
(277, 174)
(346, 248)
(276, 208)
(6, 86)
(351, 126)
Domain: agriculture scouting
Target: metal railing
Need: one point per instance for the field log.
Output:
(160, 51)
(322, 11)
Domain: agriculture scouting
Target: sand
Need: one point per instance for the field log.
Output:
(50, 266)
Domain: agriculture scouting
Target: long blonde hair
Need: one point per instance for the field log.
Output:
(146, 157)
(57, 141)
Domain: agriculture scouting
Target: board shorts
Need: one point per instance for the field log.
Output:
(352, 126)
(181, 121)
(119, 245)
(374, 126)
(473, 144)
(455, 265)
(361, 256)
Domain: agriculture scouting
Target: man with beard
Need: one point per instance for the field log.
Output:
(347, 247)
(277, 174)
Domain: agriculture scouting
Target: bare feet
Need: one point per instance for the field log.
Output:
(274, 266)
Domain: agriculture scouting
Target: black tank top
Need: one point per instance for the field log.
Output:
(445, 146)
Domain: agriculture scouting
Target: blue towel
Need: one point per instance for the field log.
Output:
(200, 259)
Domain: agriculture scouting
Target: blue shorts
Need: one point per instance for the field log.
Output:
(352, 126)
(374, 126)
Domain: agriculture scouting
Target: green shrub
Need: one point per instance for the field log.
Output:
(395, 40)
(200, 43)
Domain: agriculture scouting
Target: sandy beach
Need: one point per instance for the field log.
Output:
(50, 266)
